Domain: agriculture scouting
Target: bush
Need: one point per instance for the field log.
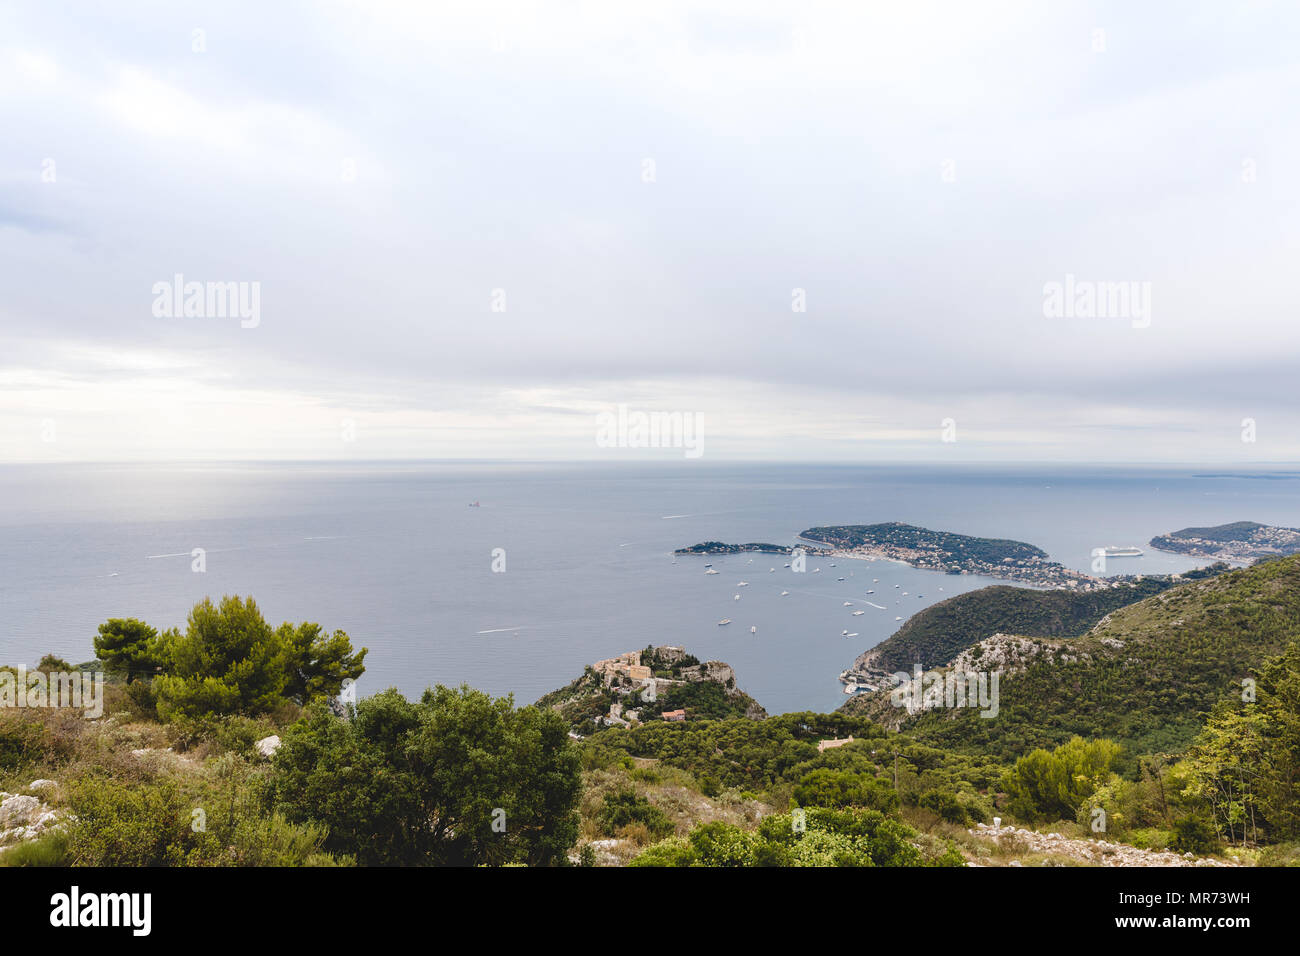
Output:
(22, 742)
(1194, 835)
(837, 788)
(1053, 785)
(946, 805)
(141, 825)
(1284, 854)
(625, 808)
(456, 778)
(1151, 838)
(827, 838)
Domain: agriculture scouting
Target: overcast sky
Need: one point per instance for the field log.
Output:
(473, 227)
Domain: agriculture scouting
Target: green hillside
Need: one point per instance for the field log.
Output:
(1145, 677)
(936, 635)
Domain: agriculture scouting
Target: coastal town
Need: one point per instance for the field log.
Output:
(1238, 541)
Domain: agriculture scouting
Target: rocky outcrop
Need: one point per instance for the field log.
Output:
(24, 817)
(267, 746)
(1093, 852)
(715, 671)
(1009, 653)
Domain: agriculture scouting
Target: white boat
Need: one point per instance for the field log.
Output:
(710, 571)
(859, 613)
(1129, 552)
(844, 633)
(737, 597)
(817, 570)
(854, 634)
(753, 629)
(839, 579)
(869, 591)
(898, 619)
(743, 584)
(875, 580)
(771, 570)
(784, 593)
(725, 620)
(848, 604)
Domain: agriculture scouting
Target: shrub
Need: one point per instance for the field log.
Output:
(1195, 835)
(625, 807)
(946, 805)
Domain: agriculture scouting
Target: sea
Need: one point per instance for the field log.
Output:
(512, 576)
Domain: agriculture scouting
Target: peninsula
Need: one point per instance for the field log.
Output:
(1237, 541)
(952, 554)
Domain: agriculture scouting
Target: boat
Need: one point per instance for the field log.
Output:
(710, 571)
(725, 620)
(844, 633)
(854, 634)
(839, 579)
(875, 580)
(784, 593)
(869, 591)
(787, 565)
(1129, 552)
(743, 584)
(736, 598)
(898, 619)
(848, 604)
(753, 629)
(771, 570)
(859, 613)
(817, 570)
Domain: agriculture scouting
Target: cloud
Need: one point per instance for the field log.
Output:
(392, 173)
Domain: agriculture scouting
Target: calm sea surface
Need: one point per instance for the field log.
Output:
(392, 554)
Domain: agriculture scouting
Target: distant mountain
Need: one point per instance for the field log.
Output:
(1144, 676)
(1236, 541)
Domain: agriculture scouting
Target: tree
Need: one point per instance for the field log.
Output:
(1246, 762)
(1053, 785)
(228, 661)
(456, 779)
(317, 663)
(128, 648)
(837, 788)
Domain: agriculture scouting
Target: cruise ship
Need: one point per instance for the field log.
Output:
(1122, 552)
